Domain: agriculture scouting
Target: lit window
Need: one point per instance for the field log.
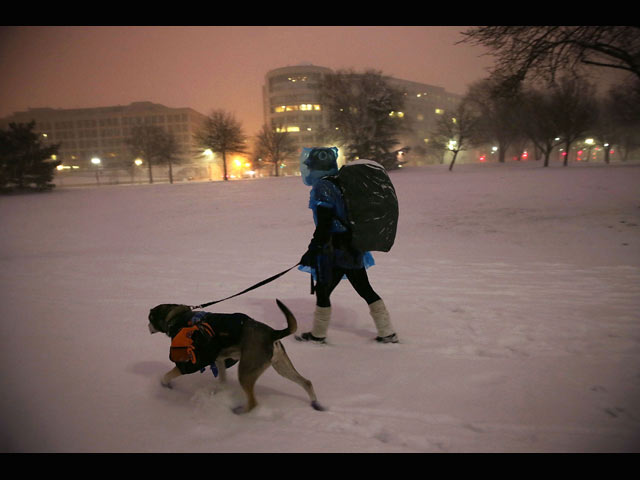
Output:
(306, 107)
(439, 111)
(293, 129)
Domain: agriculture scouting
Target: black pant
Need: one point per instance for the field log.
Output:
(358, 279)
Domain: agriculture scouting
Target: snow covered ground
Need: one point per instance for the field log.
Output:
(515, 291)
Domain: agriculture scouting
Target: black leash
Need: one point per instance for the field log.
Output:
(259, 284)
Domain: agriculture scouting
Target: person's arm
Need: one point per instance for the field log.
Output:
(321, 236)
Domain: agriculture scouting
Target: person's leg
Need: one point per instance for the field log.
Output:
(360, 282)
(377, 309)
(324, 290)
(322, 312)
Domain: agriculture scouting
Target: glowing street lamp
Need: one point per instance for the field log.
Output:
(96, 161)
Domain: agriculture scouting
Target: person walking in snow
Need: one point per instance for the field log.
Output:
(330, 257)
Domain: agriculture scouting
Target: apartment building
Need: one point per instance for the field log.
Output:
(101, 133)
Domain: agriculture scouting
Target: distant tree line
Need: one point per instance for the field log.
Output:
(537, 93)
(546, 117)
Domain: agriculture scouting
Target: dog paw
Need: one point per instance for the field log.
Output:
(239, 410)
(317, 406)
(166, 383)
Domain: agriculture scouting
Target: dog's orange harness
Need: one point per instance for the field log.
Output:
(182, 347)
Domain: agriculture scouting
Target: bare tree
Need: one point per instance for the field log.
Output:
(170, 153)
(363, 109)
(153, 145)
(222, 133)
(545, 51)
(576, 105)
(539, 121)
(497, 114)
(558, 115)
(274, 146)
(623, 107)
(455, 132)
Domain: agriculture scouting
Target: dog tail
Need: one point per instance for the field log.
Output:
(292, 324)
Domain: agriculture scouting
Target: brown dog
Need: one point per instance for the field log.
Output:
(236, 336)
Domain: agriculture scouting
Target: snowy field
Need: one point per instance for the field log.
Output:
(515, 291)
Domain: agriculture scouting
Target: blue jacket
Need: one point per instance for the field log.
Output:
(326, 194)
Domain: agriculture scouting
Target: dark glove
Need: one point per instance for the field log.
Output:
(310, 257)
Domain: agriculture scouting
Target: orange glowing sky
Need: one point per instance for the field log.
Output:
(212, 67)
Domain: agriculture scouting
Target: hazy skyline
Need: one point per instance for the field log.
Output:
(207, 68)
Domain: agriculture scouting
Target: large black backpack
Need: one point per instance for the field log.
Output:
(371, 204)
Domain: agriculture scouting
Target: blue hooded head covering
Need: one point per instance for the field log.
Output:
(316, 163)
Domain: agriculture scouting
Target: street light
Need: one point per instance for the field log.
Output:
(96, 161)
(208, 156)
(590, 142)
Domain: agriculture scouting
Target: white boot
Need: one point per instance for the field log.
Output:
(318, 333)
(382, 320)
(321, 318)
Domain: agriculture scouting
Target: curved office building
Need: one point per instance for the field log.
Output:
(291, 103)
